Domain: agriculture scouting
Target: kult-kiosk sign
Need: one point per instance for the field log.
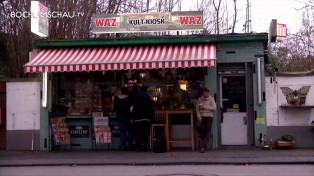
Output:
(147, 22)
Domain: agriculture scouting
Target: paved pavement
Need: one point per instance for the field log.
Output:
(230, 155)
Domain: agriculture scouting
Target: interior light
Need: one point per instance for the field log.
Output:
(183, 84)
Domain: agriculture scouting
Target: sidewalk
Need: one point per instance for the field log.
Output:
(237, 156)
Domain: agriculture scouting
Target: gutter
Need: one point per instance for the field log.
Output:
(291, 74)
(151, 40)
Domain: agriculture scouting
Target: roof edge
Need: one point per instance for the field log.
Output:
(152, 40)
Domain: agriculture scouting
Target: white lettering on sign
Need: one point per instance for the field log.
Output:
(79, 132)
(281, 31)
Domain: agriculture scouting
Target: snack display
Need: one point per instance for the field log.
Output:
(60, 131)
(102, 130)
(102, 135)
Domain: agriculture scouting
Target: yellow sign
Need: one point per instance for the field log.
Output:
(260, 120)
(235, 106)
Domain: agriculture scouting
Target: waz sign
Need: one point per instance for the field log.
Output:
(147, 22)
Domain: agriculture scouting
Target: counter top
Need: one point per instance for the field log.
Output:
(78, 116)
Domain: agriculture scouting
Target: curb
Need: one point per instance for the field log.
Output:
(158, 164)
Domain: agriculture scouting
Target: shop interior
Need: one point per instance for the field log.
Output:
(78, 94)
(81, 93)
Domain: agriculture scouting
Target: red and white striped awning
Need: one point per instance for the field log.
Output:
(122, 58)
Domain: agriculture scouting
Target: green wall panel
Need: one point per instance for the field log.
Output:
(242, 52)
(239, 52)
(211, 83)
(44, 123)
(260, 121)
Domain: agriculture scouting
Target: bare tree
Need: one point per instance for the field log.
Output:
(218, 18)
(147, 5)
(234, 15)
(296, 53)
(16, 36)
(18, 40)
(217, 11)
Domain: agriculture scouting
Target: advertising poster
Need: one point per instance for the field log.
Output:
(102, 130)
(60, 131)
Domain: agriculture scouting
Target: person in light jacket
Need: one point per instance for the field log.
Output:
(205, 108)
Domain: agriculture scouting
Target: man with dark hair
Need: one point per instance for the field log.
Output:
(144, 114)
(122, 105)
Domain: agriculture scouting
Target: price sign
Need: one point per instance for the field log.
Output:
(281, 31)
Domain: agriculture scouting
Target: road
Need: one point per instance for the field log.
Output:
(181, 170)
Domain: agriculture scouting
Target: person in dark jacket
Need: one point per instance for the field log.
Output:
(135, 90)
(144, 114)
(122, 105)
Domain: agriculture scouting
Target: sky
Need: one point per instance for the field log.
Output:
(285, 11)
(263, 11)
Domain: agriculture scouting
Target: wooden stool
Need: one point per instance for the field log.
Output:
(160, 120)
(152, 133)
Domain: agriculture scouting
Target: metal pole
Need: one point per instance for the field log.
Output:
(33, 133)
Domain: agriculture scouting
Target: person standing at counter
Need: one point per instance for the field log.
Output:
(122, 105)
(135, 90)
(205, 108)
(144, 114)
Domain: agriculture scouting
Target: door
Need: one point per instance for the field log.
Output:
(234, 120)
(23, 115)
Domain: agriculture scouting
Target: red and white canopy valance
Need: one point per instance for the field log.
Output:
(122, 58)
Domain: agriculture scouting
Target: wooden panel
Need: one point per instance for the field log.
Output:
(169, 114)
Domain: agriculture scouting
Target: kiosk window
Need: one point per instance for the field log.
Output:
(234, 93)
